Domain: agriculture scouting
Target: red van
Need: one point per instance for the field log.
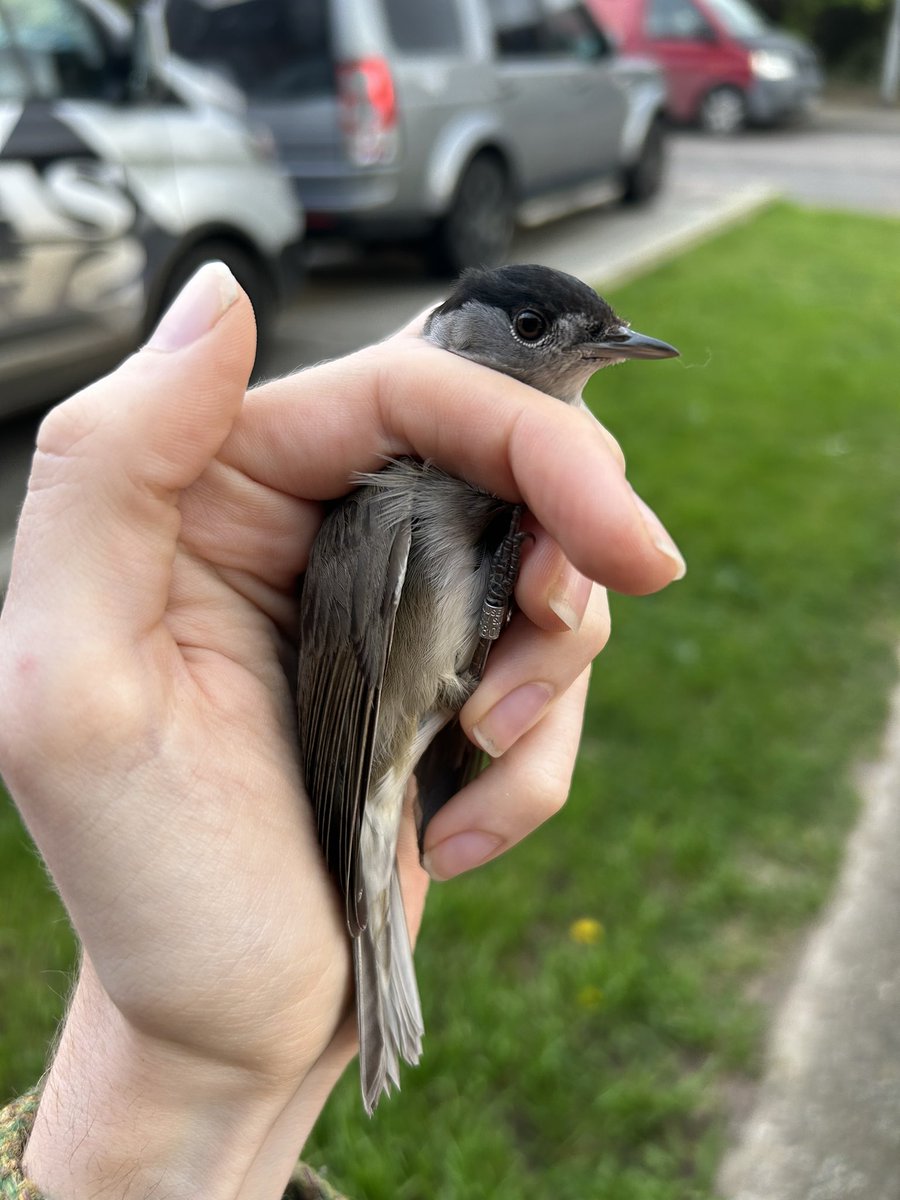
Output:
(724, 65)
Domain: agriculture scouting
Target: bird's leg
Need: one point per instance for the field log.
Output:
(495, 610)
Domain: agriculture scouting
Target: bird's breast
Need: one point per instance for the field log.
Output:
(436, 626)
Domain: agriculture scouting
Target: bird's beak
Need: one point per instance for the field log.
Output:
(627, 343)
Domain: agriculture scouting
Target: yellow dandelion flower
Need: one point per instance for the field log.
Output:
(590, 997)
(586, 931)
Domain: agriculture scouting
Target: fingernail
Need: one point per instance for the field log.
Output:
(511, 717)
(660, 537)
(196, 309)
(460, 853)
(569, 597)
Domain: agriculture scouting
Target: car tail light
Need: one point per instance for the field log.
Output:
(368, 111)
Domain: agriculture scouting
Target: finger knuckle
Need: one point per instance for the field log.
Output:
(616, 448)
(69, 424)
(612, 442)
(597, 626)
(547, 792)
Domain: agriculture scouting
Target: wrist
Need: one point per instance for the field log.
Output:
(127, 1116)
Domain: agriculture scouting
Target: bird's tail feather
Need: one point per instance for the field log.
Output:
(387, 1002)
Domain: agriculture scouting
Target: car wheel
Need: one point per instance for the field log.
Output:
(643, 179)
(247, 270)
(723, 111)
(477, 229)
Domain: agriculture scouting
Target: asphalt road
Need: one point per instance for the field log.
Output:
(847, 158)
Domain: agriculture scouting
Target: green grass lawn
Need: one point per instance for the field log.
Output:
(714, 786)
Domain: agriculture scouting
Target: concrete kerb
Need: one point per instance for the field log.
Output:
(826, 1121)
(665, 244)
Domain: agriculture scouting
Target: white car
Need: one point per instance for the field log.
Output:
(121, 171)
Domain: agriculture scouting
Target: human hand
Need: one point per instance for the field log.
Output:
(147, 718)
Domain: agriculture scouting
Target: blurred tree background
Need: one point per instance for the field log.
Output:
(849, 36)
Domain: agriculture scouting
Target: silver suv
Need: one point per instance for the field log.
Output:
(436, 120)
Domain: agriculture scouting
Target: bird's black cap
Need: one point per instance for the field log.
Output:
(511, 288)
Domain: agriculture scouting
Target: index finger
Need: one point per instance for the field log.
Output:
(309, 433)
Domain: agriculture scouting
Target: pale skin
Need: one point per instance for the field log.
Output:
(147, 728)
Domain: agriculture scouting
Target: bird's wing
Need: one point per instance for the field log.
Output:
(348, 607)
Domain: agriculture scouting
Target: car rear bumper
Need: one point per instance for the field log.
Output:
(343, 191)
(360, 205)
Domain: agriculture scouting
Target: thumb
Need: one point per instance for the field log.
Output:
(98, 530)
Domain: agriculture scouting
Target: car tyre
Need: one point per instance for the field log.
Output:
(247, 270)
(723, 111)
(643, 179)
(477, 229)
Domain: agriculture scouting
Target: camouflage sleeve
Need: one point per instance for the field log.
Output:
(307, 1185)
(17, 1119)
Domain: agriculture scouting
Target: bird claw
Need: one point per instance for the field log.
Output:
(495, 611)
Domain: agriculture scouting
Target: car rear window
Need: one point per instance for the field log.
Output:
(424, 26)
(517, 27)
(271, 49)
(523, 28)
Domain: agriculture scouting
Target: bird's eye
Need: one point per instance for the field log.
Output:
(529, 325)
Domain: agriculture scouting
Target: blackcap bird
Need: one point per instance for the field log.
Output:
(409, 583)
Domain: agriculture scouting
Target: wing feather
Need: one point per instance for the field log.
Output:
(347, 613)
